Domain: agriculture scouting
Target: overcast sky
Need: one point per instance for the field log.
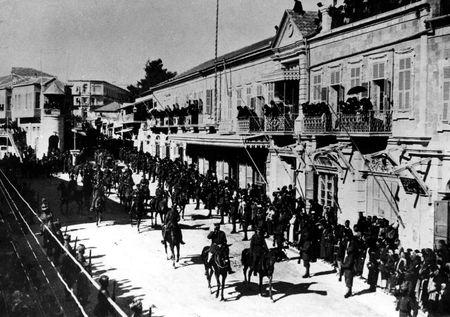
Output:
(111, 39)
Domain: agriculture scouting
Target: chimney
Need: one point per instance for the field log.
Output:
(298, 7)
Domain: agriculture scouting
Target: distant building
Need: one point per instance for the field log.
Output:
(37, 102)
(89, 95)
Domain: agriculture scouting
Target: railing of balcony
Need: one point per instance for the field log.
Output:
(316, 124)
(282, 123)
(249, 125)
(373, 121)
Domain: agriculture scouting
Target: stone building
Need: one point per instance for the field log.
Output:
(37, 102)
(89, 95)
(349, 104)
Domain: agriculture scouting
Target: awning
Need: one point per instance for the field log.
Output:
(226, 140)
(282, 75)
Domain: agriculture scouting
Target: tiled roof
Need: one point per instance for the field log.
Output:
(28, 72)
(307, 22)
(111, 107)
(56, 87)
(210, 63)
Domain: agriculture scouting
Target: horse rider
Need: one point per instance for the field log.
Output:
(219, 240)
(171, 223)
(258, 247)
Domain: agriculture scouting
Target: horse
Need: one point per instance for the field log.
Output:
(266, 267)
(108, 181)
(137, 211)
(158, 205)
(170, 236)
(69, 196)
(218, 266)
(126, 195)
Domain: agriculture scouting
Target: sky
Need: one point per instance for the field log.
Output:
(112, 39)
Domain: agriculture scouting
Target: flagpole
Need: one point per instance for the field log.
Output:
(215, 61)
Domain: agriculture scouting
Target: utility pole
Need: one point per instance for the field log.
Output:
(215, 61)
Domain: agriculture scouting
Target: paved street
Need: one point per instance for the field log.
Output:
(139, 265)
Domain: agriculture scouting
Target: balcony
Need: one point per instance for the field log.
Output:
(374, 122)
(249, 125)
(283, 124)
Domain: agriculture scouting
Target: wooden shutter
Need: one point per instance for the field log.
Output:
(446, 95)
(310, 185)
(387, 95)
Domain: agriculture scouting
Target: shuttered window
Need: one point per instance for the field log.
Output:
(446, 95)
(404, 84)
(317, 88)
(335, 77)
(239, 97)
(209, 98)
(327, 189)
(378, 70)
(249, 96)
(270, 91)
(355, 77)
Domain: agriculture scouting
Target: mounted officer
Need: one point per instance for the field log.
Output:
(219, 240)
(171, 223)
(258, 247)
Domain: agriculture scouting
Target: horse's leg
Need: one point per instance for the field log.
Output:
(218, 283)
(178, 252)
(165, 249)
(244, 270)
(260, 284)
(250, 273)
(172, 249)
(270, 287)
(224, 276)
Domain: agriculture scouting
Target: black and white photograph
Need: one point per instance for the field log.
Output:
(215, 158)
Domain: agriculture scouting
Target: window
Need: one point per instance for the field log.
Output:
(239, 97)
(249, 97)
(2, 107)
(317, 88)
(378, 70)
(209, 98)
(335, 77)
(404, 84)
(327, 189)
(446, 95)
(270, 91)
(355, 77)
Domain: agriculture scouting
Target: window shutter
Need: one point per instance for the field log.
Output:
(446, 100)
(310, 185)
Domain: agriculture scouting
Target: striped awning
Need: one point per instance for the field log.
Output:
(226, 140)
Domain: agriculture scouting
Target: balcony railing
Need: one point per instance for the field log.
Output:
(283, 123)
(372, 122)
(245, 126)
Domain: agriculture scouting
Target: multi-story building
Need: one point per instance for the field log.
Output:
(37, 102)
(350, 105)
(89, 95)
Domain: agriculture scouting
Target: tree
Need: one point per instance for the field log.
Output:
(155, 73)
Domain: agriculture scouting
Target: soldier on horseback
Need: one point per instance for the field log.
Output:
(218, 241)
(258, 247)
(171, 223)
(98, 201)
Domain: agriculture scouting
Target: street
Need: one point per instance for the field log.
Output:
(137, 262)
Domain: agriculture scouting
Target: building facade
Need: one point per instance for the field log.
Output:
(351, 106)
(89, 95)
(37, 103)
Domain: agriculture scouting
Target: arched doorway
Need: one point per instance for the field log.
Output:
(53, 142)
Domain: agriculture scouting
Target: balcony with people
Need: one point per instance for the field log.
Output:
(248, 121)
(354, 117)
(350, 11)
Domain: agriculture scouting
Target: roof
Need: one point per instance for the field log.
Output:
(307, 22)
(111, 107)
(96, 81)
(31, 81)
(56, 87)
(210, 63)
(28, 72)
